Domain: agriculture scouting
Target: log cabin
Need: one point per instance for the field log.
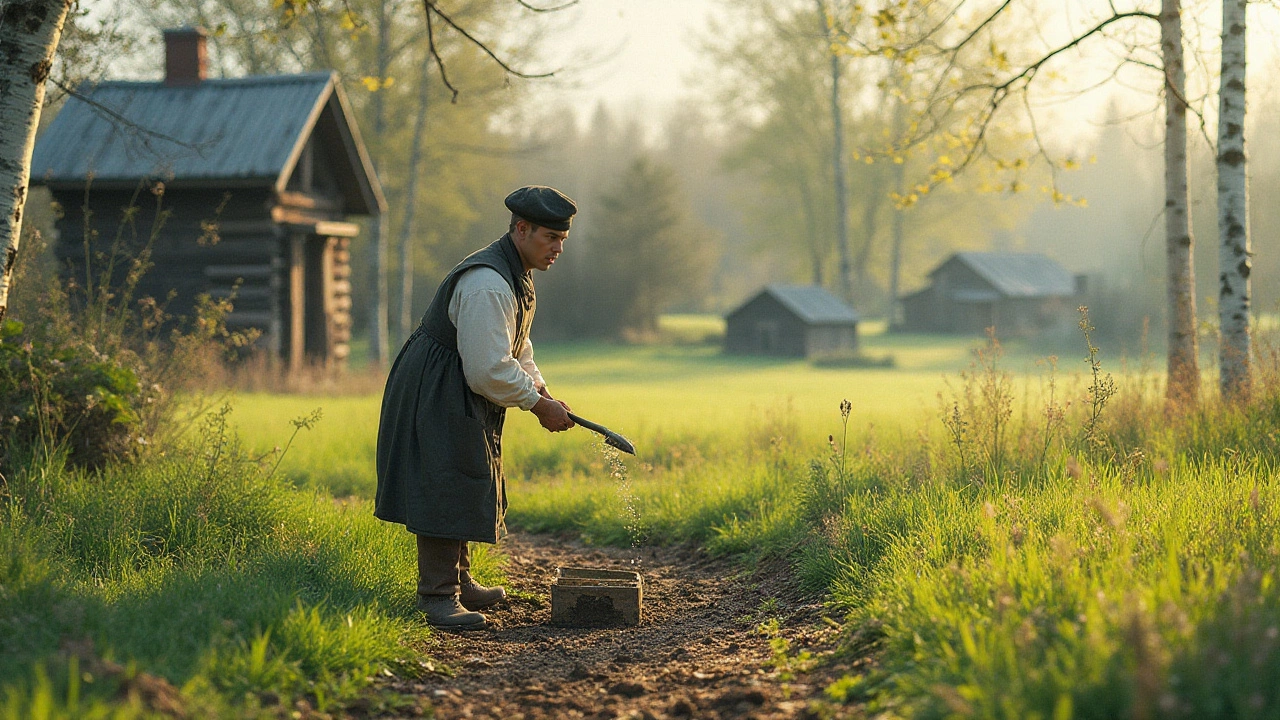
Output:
(1017, 294)
(241, 187)
(791, 321)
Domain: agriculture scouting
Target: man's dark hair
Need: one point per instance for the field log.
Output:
(533, 226)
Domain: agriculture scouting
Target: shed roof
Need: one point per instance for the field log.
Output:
(243, 131)
(810, 303)
(1017, 274)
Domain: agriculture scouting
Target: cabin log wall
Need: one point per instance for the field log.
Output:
(239, 244)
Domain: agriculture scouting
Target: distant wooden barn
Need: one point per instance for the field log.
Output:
(259, 174)
(1016, 293)
(793, 321)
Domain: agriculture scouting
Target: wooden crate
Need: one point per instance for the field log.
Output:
(588, 597)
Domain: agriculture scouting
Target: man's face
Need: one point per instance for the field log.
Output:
(538, 248)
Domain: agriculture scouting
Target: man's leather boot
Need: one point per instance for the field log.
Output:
(446, 613)
(438, 586)
(473, 595)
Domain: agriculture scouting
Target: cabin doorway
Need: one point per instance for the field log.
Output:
(315, 294)
(308, 298)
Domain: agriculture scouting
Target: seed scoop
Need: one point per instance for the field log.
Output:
(611, 438)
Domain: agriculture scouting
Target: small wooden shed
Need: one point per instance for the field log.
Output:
(791, 321)
(1015, 293)
(259, 175)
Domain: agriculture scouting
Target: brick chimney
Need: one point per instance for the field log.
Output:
(185, 60)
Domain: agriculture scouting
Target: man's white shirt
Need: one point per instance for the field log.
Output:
(483, 309)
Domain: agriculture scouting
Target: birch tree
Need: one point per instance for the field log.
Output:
(772, 87)
(1235, 351)
(784, 86)
(29, 34)
(1183, 344)
(387, 17)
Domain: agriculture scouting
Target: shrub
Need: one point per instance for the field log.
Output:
(67, 397)
(89, 375)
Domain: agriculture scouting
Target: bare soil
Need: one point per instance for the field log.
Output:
(698, 652)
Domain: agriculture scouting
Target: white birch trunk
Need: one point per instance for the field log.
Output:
(1235, 351)
(29, 34)
(1184, 370)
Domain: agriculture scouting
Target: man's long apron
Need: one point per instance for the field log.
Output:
(439, 443)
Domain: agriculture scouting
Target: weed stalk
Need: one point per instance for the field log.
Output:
(1102, 387)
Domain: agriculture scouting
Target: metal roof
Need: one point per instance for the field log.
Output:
(244, 130)
(812, 304)
(1018, 274)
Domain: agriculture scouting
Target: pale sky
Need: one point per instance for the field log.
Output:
(646, 49)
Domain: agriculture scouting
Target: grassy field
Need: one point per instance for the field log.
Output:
(659, 396)
(1007, 541)
(1052, 552)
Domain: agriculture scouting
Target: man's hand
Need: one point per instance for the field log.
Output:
(547, 394)
(553, 414)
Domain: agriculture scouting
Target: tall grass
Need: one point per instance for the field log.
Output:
(203, 568)
(1094, 596)
(1128, 571)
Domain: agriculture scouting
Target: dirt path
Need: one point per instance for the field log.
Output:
(697, 653)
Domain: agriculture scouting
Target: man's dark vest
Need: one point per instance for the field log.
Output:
(439, 443)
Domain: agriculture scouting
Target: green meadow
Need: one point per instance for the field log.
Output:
(1005, 537)
(684, 392)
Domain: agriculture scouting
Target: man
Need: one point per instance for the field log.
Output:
(440, 435)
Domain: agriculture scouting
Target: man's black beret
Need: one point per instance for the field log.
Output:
(542, 206)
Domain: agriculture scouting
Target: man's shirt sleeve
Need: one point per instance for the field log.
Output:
(483, 309)
(526, 362)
